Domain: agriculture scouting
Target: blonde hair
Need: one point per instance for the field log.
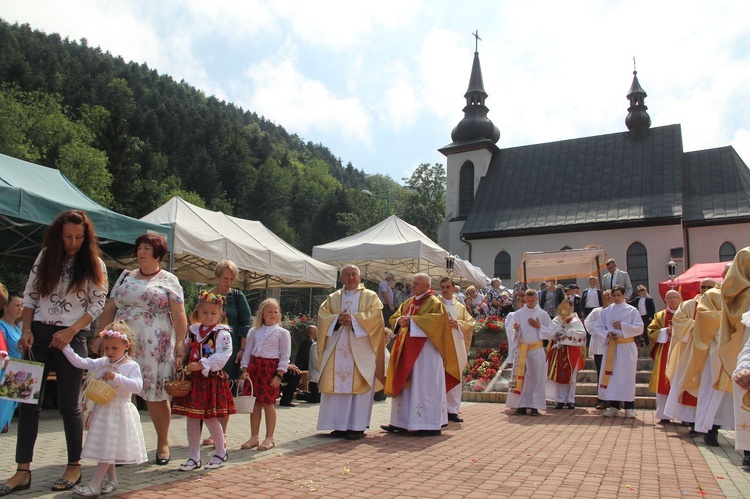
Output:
(195, 318)
(226, 264)
(125, 334)
(258, 319)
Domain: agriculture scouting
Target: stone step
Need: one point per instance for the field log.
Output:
(646, 364)
(587, 376)
(581, 400)
(641, 389)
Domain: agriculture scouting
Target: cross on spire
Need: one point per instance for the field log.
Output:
(476, 42)
(634, 71)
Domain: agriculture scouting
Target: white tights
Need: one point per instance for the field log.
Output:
(99, 472)
(194, 436)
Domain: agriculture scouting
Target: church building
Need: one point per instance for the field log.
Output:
(635, 192)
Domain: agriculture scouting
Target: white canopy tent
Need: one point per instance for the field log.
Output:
(203, 237)
(538, 266)
(397, 247)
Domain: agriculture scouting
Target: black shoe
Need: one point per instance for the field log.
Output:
(570, 405)
(559, 405)
(287, 404)
(426, 433)
(337, 434)
(711, 439)
(520, 412)
(355, 435)
(455, 418)
(746, 459)
(665, 421)
(5, 490)
(392, 429)
(534, 412)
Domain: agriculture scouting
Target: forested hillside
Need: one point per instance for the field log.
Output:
(131, 138)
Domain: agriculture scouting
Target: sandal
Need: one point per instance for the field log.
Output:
(253, 442)
(87, 491)
(65, 484)
(213, 465)
(267, 444)
(190, 465)
(5, 490)
(108, 487)
(208, 441)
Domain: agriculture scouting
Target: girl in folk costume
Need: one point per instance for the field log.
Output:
(115, 435)
(209, 347)
(265, 361)
(565, 356)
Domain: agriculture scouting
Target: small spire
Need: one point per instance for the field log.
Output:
(638, 121)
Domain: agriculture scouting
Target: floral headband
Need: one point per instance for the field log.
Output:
(109, 333)
(215, 298)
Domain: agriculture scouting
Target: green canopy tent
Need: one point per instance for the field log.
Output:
(31, 197)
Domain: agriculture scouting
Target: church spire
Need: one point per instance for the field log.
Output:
(638, 121)
(475, 125)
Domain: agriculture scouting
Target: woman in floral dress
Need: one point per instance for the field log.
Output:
(150, 300)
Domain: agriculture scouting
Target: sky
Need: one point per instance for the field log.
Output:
(382, 84)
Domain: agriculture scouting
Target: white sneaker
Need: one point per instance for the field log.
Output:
(630, 413)
(610, 412)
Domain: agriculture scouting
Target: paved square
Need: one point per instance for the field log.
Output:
(562, 453)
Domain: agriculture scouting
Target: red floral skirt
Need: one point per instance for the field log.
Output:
(209, 398)
(261, 371)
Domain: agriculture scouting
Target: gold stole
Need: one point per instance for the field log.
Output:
(523, 350)
(610, 364)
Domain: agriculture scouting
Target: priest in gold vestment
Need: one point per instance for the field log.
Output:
(423, 365)
(351, 356)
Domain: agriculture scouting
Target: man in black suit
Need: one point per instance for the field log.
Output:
(646, 307)
(592, 297)
(303, 362)
(575, 300)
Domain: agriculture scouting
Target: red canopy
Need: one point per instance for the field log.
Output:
(688, 284)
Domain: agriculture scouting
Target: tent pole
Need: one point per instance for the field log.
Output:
(171, 253)
(598, 275)
(525, 282)
(309, 304)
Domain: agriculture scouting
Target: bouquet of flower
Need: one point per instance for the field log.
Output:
(483, 366)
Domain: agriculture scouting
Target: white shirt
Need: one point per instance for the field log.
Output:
(222, 348)
(63, 307)
(592, 299)
(268, 342)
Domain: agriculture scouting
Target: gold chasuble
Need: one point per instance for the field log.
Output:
(659, 383)
(683, 323)
(735, 293)
(707, 322)
(432, 319)
(368, 352)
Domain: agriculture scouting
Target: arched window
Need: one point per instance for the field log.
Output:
(638, 266)
(502, 266)
(727, 252)
(465, 189)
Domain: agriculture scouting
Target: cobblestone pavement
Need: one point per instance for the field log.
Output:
(492, 454)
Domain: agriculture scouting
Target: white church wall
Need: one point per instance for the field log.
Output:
(657, 240)
(706, 241)
(480, 158)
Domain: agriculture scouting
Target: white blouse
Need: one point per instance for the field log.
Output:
(268, 342)
(220, 352)
(63, 307)
(127, 378)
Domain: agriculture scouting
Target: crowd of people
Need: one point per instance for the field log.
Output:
(403, 341)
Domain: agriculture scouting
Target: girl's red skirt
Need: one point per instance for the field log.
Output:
(209, 398)
(262, 371)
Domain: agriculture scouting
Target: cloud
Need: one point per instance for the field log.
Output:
(300, 104)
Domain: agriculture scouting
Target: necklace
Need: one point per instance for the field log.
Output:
(143, 274)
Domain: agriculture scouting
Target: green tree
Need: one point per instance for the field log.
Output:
(424, 203)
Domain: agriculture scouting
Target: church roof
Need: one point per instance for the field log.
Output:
(716, 187)
(599, 182)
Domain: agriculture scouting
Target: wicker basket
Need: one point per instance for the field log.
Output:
(99, 392)
(244, 403)
(179, 387)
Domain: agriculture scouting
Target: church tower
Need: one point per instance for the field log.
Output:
(468, 158)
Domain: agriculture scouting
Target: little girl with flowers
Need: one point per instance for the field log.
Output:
(209, 347)
(115, 435)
